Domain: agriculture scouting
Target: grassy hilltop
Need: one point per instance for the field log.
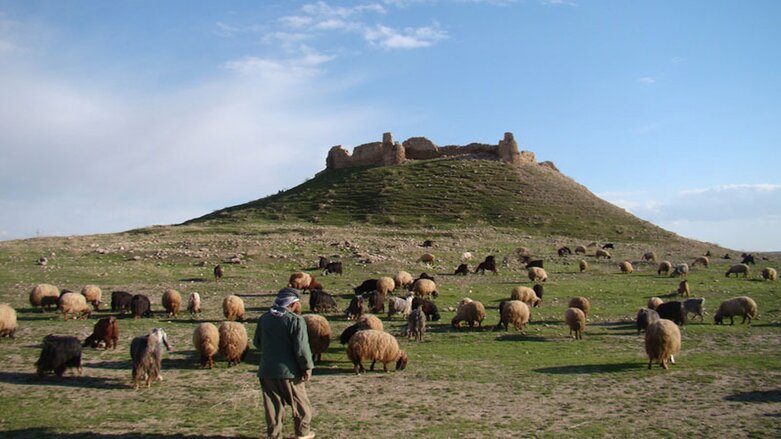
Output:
(459, 383)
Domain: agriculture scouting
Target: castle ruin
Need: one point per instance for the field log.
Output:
(388, 152)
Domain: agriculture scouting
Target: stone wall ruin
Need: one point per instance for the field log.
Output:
(388, 152)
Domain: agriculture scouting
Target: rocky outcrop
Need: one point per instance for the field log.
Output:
(388, 152)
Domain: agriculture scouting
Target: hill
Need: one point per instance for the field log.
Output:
(449, 192)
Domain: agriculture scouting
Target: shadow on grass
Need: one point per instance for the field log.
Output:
(590, 368)
(193, 279)
(67, 380)
(756, 396)
(521, 337)
(42, 432)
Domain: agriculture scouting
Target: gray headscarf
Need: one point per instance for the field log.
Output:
(285, 298)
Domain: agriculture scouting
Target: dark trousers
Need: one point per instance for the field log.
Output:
(280, 392)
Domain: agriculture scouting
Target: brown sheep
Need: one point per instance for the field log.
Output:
(664, 267)
(662, 342)
(739, 306)
(172, 302)
(525, 295)
(581, 303)
(105, 331)
(603, 254)
(739, 268)
(375, 345)
(576, 320)
(580, 250)
(471, 312)
(583, 265)
(425, 287)
(206, 339)
(233, 308)
(319, 335)
(426, 258)
(93, 294)
(385, 285)
(683, 289)
(649, 256)
(702, 260)
(515, 312)
(402, 279)
(537, 274)
(299, 280)
(234, 343)
(626, 267)
(654, 303)
(769, 274)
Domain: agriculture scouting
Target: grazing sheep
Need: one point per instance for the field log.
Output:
(366, 321)
(322, 262)
(426, 258)
(471, 312)
(737, 269)
(694, 306)
(525, 295)
(664, 267)
(680, 270)
(194, 304)
(376, 302)
(609, 245)
(385, 285)
(539, 290)
(603, 254)
(172, 302)
(319, 332)
(402, 279)
(488, 264)
(425, 287)
(683, 289)
(74, 304)
(580, 250)
(747, 259)
(397, 305)
(662, 342)
(206, 339)
(234, 343)
(583, 265)
(515, 312)
(321, 302)
(534, 263)
(218, 272)
(375, 345)
(537, 274)
(466, 256)
(563, 251)
(427, 243)
(626, 267)
(739, 306)
(334, 267)
(702, 260)
(140, 306)
(299, 280)
(105, 331)
(646, 316)
(314, 285)
(416, 324)
(146, 353)
(44, 295)
(355, 309)
(672, 310)
(581, 303)
(462, 269)
(120, 301)
(424, 275)
(58, 354)
(649, 256)
(576, 320)
(366, 286)
(769, 274)
(654, 302)
(93, 294)
(7, 321)
(233, 308)
(429, 308)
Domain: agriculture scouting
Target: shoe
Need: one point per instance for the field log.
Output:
(311, 435)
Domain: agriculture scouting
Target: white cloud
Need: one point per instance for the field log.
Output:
(647, 80)
(409, 38)
(323, 9)
(307, 65)
(677, 60)
(741, 216)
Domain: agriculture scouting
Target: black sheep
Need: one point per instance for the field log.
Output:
(429, 308)
(538, 290)
(332, 268)
(535, 263)
(366, 286)
(462, 269)
(376, 302)
(672, 311)
(320, 301)
(120, 301)
(140, 306)
(58, 354)
(748, 259)
(356, 308)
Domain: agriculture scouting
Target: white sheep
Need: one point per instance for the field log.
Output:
(603, 254)
(654, 302)
(737, 269)
(769, 274)
(319, 332)
(425, 287)
(739, 306)
(664, 267)
(74, 304)
(371, 344)
(206, 340)
(44, 295)
(233, 308)
(626, 267)
(402, 279)
(194, 304)
(583, 265)
(581, 303)
(466, 256)
(537, 274)
(525, 295)
(385, 285)
(93, 295)
(397, 305)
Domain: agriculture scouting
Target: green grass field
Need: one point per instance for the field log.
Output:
(459, 383)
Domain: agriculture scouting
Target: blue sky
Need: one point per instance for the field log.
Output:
(116, 115)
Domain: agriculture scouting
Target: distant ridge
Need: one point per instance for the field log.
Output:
(446, 192)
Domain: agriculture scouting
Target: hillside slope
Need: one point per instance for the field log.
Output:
(449, 192)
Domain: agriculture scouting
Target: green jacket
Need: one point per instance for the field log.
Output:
(284, 345)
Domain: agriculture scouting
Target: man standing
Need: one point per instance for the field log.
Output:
(285, 364)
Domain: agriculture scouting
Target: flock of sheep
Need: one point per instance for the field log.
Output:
(366, 339)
